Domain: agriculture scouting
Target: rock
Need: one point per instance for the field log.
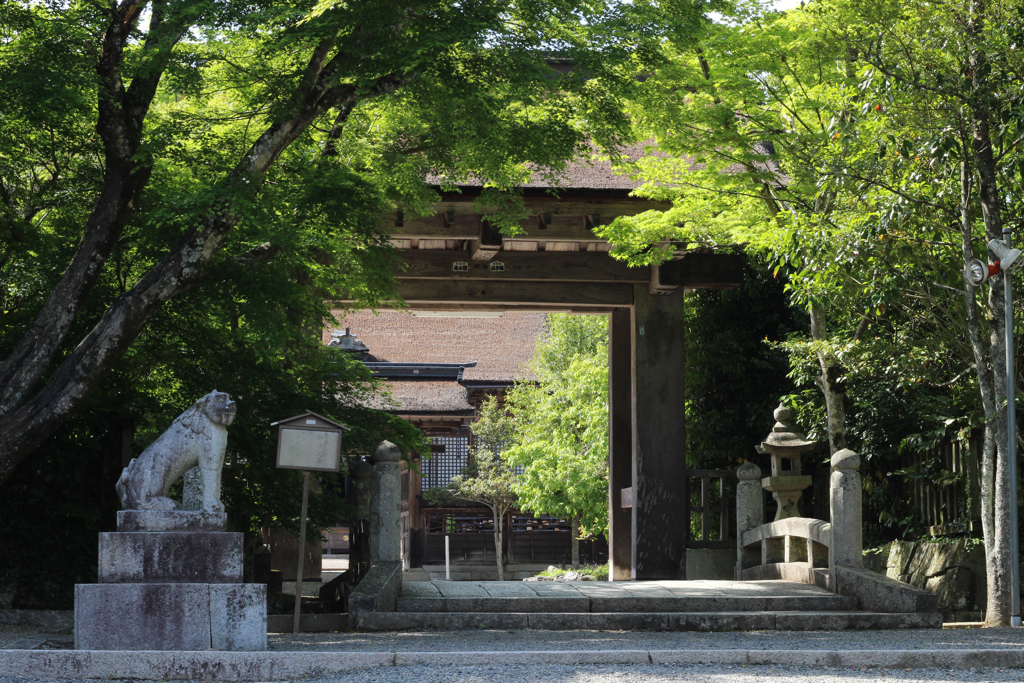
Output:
(552, 568)
(899, 559)
(532, 578)
(955, 588)
(571, 576)
(875, 559)
(587, 577)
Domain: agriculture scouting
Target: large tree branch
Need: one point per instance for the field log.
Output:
(178, 272)
(119, 124)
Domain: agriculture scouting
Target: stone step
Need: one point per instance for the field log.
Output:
(618, 604)
(655, 621)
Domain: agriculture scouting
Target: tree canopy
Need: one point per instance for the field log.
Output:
(151, 148)
(868, 150)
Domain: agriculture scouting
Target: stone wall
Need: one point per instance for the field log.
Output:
(950, 570)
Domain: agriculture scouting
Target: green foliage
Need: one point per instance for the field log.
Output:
(488, 480)
(734, 376)
(493, 429)
(599, 572)
(831, 142)
(561, 424)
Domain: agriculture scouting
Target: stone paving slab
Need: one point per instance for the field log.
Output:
(508, 589)
(461, 589)
(597, 588)
(617, 597)
(555, 588)
(722, 604)
(525, 640)
(510, 605)
(624, 589)
(420, 589)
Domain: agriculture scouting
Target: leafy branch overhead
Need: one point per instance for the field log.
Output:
(153, 149)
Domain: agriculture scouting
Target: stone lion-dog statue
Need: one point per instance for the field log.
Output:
(198, 437)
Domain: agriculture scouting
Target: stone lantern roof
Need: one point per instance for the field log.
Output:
(784, 439)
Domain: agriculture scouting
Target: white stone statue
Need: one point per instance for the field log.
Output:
(198, 437)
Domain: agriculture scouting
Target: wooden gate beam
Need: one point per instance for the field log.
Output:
(564, 266)
(659, 514)
(470, 294)
(620, 444)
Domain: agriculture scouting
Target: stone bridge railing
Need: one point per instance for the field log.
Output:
(799, 548)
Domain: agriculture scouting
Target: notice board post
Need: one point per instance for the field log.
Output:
(311, 443)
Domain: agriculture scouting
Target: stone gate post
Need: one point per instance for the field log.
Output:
(846, 501)
(749, 513)
(386, 505)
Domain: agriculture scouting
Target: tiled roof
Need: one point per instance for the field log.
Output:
(502, 347)
(587, 174)
(428, 395)
(581, 174)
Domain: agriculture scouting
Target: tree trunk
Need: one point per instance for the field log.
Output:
(499, 538)
(575, 542)
(120, 116)
(830, 384)
(995, 466)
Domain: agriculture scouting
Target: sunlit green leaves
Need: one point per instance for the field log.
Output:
(561, 424)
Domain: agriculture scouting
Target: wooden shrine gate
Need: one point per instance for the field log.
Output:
(454, 260)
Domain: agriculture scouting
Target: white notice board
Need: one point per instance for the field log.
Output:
(309, 449)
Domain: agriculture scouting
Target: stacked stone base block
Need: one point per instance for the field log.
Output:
(174, 582)
(171, 616)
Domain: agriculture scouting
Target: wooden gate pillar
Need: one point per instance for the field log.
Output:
(659, 513)
(620, 443)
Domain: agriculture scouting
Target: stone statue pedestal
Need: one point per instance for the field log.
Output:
(170, 580)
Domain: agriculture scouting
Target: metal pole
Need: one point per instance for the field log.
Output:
(447, 561)
(1011, 437)
(302, 553)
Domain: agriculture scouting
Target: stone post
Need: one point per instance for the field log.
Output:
(386, 505)
(361, 471)
(749, 514)
(847, 527)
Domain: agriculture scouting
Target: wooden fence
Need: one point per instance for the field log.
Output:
(708, 509)
(943, 485)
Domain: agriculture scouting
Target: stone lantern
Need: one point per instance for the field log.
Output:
(785, 445)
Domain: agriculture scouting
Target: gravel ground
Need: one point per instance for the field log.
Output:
(448, 641)
(645, 674)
